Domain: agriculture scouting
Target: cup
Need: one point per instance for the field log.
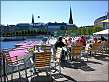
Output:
(34, 48)
(38, 50)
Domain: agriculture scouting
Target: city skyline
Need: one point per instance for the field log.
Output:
(83, 12)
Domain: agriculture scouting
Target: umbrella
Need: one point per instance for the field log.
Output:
(107, 20)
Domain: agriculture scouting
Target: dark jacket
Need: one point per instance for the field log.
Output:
(59, 44)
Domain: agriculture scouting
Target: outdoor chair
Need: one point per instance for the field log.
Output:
(42, 60)
(1, 66)
(95, 48)
(76, 51)
(79, 44)
(56, 59)
(46, 48)
(15, 63)
(107, 46)
(102, 46)
(54, 49)
(86, 51)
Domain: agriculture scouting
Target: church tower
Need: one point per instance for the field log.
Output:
(32, 18)
(70, 19)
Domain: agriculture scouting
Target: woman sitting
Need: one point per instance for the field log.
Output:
(70, 43)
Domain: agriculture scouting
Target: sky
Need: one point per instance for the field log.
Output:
(83, 12)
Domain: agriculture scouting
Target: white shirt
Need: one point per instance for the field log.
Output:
(69, 44)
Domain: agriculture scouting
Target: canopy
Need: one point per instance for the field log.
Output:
(107, 20)
(103, 32)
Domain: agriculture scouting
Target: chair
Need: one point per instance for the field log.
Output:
(102, 46)
(86, 50)
(95, 48)
(15, 63)
(42, 60)
(107, 46)
(46, 48)
(54, 49)
(79, 44)
(56, 58)
(1, 65)
(76, 51)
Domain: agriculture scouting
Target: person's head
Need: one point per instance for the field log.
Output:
(82, 37)
(70, 39)
(95, 39)
(66, 40)
(60, 38)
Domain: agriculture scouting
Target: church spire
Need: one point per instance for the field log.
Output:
(70, 19)
(32, 18)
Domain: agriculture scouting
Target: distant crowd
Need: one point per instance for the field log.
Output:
(69, 42)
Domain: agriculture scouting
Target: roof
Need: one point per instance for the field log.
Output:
(71, 24)
(102, 32)
(57, 23)
(22, 24)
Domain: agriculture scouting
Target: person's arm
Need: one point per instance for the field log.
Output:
(63, 44)
(66, 44)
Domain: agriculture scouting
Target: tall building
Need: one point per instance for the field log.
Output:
(70, 19)
(98, 22)
(70, 25)
(32, 18)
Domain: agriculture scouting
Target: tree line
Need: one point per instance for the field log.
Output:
(86, 31)
(25, 33)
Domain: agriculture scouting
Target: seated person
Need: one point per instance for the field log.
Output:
(95, 40)
(103, 39)
(70, 43)
(83, 41)
(66, 42)
(59, 43)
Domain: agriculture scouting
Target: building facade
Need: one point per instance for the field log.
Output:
(98, 22)
(51, 27)
(71, 27)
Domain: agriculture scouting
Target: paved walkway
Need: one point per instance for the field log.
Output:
(95, 70)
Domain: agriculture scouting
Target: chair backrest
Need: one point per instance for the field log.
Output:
(7, 56)
(76, 50)
(104, 44)
(87, 47)
(46, 48)
(58, 53)
(79, 44)
(0, 58)
(96, 46)
(42, 59)
(54, 49)
(107, 43)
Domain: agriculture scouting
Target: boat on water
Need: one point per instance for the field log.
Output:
(13, 38)
(23, 43)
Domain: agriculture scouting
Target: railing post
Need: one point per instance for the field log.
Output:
(1, 66)
(4, 72)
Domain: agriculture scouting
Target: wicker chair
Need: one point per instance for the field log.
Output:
(15, 63)
(79, 44)
(56, 59)
(95, 48)
(76, 51)
(86, 50)
(46, 48)
(42, 60)
(1, 66)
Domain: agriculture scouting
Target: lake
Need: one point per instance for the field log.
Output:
(10, 44)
